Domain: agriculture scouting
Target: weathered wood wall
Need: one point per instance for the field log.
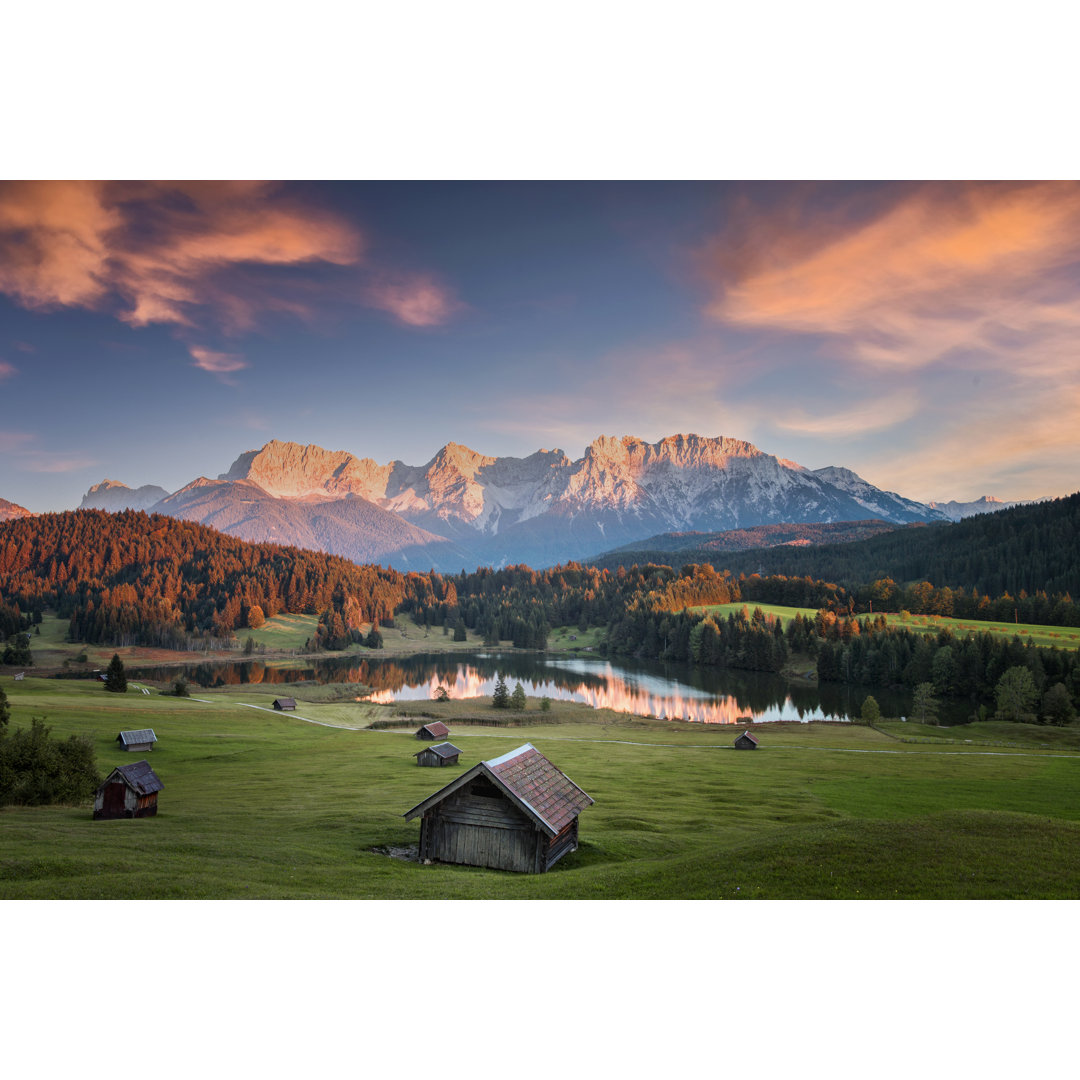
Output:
(477, 826)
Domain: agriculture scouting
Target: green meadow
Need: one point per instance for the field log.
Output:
(1063, 637)
(258, 804)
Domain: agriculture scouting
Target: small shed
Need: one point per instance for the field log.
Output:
(129, 791)
(746, 741)
(435, 730)
(143, 740)
(515, 812)
(283, 703)
(444, 754)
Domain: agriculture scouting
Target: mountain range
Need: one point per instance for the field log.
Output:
(464, 509)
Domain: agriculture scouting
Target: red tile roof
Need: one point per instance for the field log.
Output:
(437, 728)
(550, 794)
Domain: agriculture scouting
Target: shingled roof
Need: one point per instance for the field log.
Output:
(443, 750)
(140, 735)
(436, 728)
(139, 777)
(547, 795)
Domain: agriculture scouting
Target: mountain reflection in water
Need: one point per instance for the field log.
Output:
(666, 691)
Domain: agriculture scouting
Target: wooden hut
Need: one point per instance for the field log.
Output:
(435, 730)
(515, 812)
(129, 791)
(444, 753)
(283, 703)
(746, 741)
(142, 739)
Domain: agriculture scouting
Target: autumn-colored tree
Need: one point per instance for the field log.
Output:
(255, 617)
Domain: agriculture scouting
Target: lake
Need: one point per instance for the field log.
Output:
(666, 691)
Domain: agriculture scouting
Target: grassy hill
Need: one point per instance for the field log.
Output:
(258, 804)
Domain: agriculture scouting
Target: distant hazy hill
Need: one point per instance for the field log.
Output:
(957, 511)
(690, 545)
(468, 509)
(112, 495)
(1030, 548)
(9, 511)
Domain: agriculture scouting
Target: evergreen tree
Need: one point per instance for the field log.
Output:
(374, 640)
(5, 709)
(517, 698)
(115, 678)
(459, 631)
(501, 698)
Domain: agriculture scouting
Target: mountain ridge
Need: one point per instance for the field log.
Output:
(474, 509)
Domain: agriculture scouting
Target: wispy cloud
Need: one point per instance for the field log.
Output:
(217, 363)
(874, 414)
(7, 370)
(13, 440)
(416, 301)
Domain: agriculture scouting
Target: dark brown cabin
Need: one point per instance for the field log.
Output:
(515, 812)
(746, 741)
(142, 740)
(443, 754)
(435, 730)
(283, 703)
(129, 791)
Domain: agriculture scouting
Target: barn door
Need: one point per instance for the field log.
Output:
(114, 800)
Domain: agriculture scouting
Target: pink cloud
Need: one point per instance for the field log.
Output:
(415, 301)
(7, 370)
(217, 363)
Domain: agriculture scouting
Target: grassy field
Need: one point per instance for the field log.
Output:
(1063, 637)
(258, 804)
(279, 637)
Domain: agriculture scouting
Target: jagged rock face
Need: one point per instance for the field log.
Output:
(113, 496)
(289, 471)
(9, 511)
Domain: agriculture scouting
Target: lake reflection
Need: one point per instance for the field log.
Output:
(666, 691)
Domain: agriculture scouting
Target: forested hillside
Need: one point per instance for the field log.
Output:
(1023, 549)
(130, 578)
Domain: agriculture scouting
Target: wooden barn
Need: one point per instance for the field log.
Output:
(435, 730)
(515, 812)
(129, 791)
(444, 753)
(746, 741)
(143, 740)
(283, 703)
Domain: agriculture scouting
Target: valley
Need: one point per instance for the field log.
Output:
(265, 805)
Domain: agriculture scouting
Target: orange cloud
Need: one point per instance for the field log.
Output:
(943, 267)
(185, 254)
(415, 301)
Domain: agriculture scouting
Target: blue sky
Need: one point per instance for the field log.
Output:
(922, 334)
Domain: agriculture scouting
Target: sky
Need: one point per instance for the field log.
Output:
(923, 334)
